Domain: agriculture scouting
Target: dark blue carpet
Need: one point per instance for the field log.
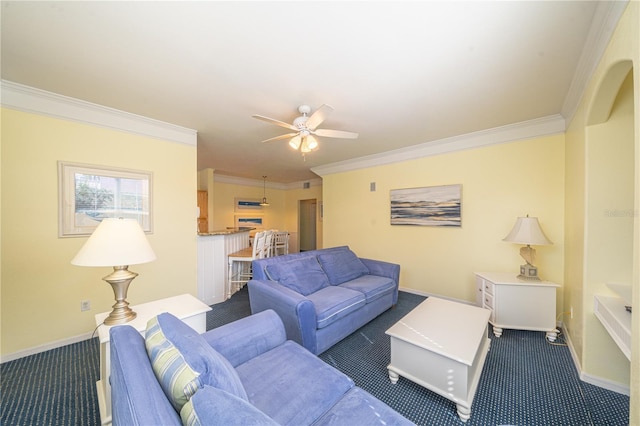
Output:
(525, 380)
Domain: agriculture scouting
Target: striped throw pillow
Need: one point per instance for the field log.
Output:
(178, 380)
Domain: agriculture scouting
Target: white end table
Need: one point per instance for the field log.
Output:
(442, 345)
(185, 307)
(518, 304)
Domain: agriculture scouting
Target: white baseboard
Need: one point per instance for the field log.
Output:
(44, 348)
(422, 293)
(605, 384)
(591, 379)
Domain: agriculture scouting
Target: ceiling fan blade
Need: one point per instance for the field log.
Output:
(278, 138)
(276, 122)
(318, 117)
(336, 134)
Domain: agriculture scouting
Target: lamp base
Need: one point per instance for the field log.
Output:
(528, 272)
(120, 279)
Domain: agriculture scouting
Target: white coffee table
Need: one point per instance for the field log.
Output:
(442, 345)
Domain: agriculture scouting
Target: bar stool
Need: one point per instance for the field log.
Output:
(240, 263)
(268, 243)
(281, 243)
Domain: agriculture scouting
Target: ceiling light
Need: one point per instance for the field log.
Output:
(295, 142)
(264, 193)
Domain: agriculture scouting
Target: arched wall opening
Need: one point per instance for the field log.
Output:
(609, 216)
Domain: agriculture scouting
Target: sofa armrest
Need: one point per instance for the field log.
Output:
(384, 269)
(136, 395)
(248, 337)
(296, 311)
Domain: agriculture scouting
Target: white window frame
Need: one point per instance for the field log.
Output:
(74, 225)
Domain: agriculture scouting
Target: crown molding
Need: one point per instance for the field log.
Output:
(29, 99)
(544, 126)
(235, 180)
(603, 25)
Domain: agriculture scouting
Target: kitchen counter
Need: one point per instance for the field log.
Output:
(228, 231)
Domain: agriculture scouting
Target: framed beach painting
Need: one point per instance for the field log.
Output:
(249, 221)
(244, 204)
(428, 206)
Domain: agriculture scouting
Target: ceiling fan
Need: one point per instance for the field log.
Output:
(305, 129)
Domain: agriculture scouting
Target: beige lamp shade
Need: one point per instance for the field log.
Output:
(527, 230)
(116, 241)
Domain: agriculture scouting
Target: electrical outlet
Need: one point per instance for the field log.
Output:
(571, 313)
(85, 305)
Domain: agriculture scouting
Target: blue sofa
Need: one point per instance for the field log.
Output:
(243, 373)
(323, 295)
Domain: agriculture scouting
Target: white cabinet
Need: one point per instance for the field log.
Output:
(213, 252)
(517, 304)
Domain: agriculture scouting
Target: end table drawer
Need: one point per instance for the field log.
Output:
(488, 287)
(488, 301)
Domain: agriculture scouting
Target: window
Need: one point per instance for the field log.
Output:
(91, 193)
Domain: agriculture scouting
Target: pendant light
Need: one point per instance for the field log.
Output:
(264, 202)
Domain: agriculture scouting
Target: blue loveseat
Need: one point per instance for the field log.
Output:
(323, 295)
(243, 373)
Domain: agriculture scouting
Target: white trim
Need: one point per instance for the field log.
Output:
(545, 126)
(605, 384)
(439, 296)
(29, 99)
(604, 23)
(591, 379)
(45, 347)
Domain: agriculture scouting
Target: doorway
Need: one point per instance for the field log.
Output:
(307, 224)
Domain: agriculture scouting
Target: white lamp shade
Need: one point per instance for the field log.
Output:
(115, 242)
(527, 230)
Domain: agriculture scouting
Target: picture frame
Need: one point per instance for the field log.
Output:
(250, 221)
(427, 206)
(244, 204)
(88, 193)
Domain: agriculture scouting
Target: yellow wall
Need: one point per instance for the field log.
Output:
(224, 213)
(499, 183)
(609, 228)
(41, 290)
(282, 212)
(592, 139)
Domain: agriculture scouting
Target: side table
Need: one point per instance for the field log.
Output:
(186, 307)
(517, 304)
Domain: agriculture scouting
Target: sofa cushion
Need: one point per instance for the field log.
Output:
(342, 266)
(373, 286)
(212, 406)
(291, 385)
(332, 303)
(304, 275)
(183, 362)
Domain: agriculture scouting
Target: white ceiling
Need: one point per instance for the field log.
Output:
(398, 73)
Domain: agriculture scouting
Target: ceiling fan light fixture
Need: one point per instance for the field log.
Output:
(264, 192)
(295, 142)
(305, 128)
(312, 143)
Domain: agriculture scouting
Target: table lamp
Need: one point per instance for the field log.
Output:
(119, 243)
(527, 231)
